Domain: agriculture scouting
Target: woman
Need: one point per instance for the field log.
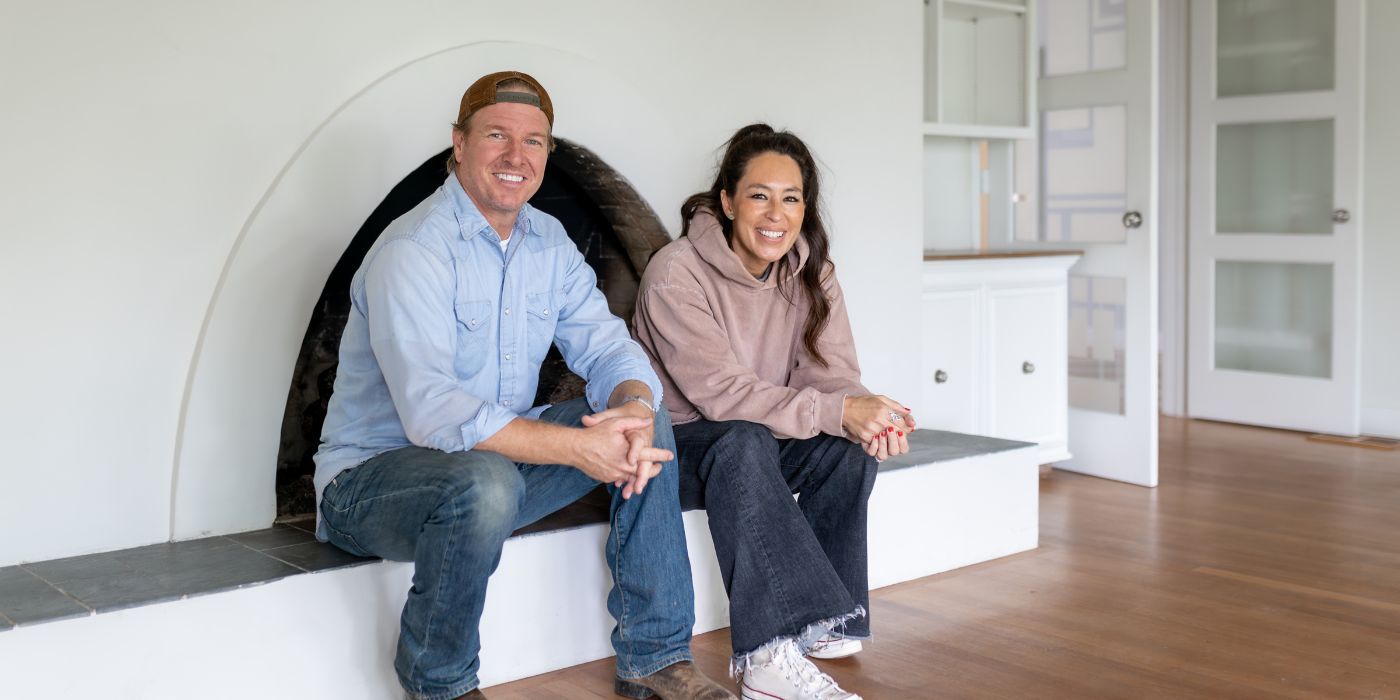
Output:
(747, 328)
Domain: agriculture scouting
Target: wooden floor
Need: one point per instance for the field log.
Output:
(1264, 566)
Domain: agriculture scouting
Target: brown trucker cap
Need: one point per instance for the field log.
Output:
(484, 92)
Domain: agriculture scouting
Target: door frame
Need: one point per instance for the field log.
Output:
(1172, 225)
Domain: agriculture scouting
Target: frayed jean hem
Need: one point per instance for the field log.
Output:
(451, 694)
(739, 663)
(654, 667)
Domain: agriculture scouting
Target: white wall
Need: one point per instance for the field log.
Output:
(1380, 266)
(142, 141)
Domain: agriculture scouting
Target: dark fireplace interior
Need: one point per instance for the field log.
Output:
(614, 228)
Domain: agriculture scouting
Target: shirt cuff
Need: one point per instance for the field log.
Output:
(488, 421)
(598, 392)
(601, 387)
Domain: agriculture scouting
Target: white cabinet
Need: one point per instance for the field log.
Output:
(979, 68)
(951, 363)
(994, 347)
(1026, 346)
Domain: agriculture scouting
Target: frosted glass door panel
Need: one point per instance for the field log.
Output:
(1082, 36)
(1097, 322)
(1274, 317)
(1084, 174)
(1274, 177)
(1272, 46)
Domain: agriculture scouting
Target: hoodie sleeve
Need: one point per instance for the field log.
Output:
(676, 323)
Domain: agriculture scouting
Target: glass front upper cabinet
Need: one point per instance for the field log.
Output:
(979, 68)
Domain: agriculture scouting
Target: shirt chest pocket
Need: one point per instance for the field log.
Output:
(473, 337)
(540, 318)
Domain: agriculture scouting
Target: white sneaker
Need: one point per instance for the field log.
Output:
(783, 673)
(833, 647)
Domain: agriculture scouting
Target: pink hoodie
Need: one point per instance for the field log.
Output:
(729, 347)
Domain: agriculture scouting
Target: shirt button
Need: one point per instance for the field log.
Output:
(507, 356)
(546, 312)
(506, 402)
(507, 310)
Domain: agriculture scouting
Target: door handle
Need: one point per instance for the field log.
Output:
(1132, 219)
(1027, 368)
(1341, 216)
(940, 376)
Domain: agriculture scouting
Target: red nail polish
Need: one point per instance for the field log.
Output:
(901, 433)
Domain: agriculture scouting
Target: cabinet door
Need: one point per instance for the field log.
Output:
(1027, 372)
(951, 372)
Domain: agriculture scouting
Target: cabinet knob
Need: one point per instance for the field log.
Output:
(1341, 216)
(1132, 219)
(940, 376)
(1027, 367)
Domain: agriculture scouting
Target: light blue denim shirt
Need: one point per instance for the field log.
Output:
(447, 333)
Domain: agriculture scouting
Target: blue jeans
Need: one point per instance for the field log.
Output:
(450, 514)
(786, 565)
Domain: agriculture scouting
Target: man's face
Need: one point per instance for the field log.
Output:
(501, 158)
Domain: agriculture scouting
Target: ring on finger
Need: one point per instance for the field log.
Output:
(895, 416)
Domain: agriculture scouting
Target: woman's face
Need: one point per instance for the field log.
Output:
(767, 209)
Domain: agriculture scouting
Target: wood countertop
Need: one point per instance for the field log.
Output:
(970, 254)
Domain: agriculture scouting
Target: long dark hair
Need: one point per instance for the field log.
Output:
(747, 143)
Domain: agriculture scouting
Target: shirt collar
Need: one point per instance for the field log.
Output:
(469, 217)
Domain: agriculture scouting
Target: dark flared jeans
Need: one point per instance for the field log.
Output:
(786, 565)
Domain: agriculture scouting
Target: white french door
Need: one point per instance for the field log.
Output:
(1274, 282)
(1096, 159)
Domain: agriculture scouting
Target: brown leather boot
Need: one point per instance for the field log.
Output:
(679, 681)
(474, 694)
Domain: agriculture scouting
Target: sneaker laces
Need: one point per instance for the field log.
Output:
(803, 674)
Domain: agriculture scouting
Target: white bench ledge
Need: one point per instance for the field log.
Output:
(955, 500)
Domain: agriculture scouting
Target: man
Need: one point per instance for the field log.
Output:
(431, 452)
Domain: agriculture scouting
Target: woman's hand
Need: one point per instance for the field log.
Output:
(887, 444)
(879, 423)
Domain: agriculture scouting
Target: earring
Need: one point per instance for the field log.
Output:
(729, 214)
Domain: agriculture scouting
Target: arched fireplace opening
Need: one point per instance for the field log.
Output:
(614, 228)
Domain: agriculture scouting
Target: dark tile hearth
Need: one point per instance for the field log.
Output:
(96, 583)
(25, 598)
(930, 446)
(77, 586)
(159, 572)
(279, 535)
(315, 556)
